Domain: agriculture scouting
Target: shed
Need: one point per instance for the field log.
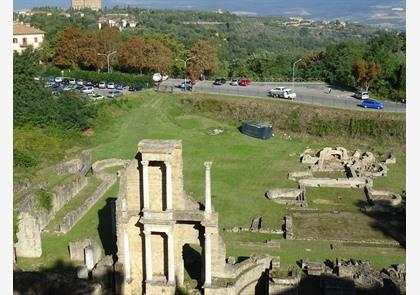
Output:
(260, 130)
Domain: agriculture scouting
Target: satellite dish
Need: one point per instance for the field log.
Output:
(157, 77)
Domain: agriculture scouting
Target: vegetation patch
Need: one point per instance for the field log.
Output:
(45, 199)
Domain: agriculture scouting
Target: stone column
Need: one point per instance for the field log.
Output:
(148, 254)
(127, 259)
(171, 258)
(208, 187)
(168, 185)
(207, 246)
(146, 203)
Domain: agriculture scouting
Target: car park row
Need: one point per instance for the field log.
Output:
(89, 88)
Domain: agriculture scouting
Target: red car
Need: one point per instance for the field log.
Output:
(244, 82)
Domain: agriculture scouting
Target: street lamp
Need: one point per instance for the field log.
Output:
(293, 83)
(185, 68)
(107, 58)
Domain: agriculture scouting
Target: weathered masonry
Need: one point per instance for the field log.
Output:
(156, 220)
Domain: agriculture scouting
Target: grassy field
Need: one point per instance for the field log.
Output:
(244, 168)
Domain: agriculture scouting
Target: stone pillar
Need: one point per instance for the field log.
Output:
(171, 258)
(146, 202)
(148, 254)
(207, 246)
(89, 261)
(127, 259)
(168, 185)
(208, 187)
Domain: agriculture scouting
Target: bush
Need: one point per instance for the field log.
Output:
(45, 199)
(24, 159)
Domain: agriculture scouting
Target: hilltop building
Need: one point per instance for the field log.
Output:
(25, 35)
(81, 4)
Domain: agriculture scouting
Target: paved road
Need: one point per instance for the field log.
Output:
(311, 93)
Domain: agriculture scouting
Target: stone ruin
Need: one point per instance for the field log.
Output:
(381, 201)
(33, 218)
(288, 227)
(156, 219)
(313, 268)
(256, 227)
(287, 196)
(357, 164)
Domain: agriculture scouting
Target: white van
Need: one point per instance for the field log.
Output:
(362, 95)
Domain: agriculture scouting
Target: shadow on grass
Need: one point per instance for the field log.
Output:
(193, 263)
(61, 278)
(107, 228)
(392, 224)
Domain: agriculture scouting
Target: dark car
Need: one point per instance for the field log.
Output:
(134, 88)
(371, 104)
(244, 82)
(79, 87)
(96, 84)
(114, 93)
(219, 81)
(88, 83)
(119, 86)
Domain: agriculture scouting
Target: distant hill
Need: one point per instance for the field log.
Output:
(383, 13)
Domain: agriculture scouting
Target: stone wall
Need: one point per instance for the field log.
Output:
(287, 196)
(29, 236)
(71, 218)
(103, 164)
(77, 249)
(335, 182)
(34, 218)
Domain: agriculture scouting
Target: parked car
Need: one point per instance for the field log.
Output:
(87, 89)
(102, 85)
(79, 82)
(369, 103)
(58, 79)
(244, 82)
(51, 79)
(88, 83)
(114, 93)
(79, 87)
(234, 82)
(72, 81)
(96, 96)
(66, 88)
(219, 81)
(187, 85)
(134, 88)
(119, 86)
(362, 95)
(282, 92)
(96, 84)
(110, 85)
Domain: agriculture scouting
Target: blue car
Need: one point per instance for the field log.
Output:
(371, 104)
(119, 86)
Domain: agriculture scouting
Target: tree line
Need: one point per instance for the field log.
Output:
(88, 50)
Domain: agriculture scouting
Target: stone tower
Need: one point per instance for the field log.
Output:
(157, 222)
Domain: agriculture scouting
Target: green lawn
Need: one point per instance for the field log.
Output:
(244, 168)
